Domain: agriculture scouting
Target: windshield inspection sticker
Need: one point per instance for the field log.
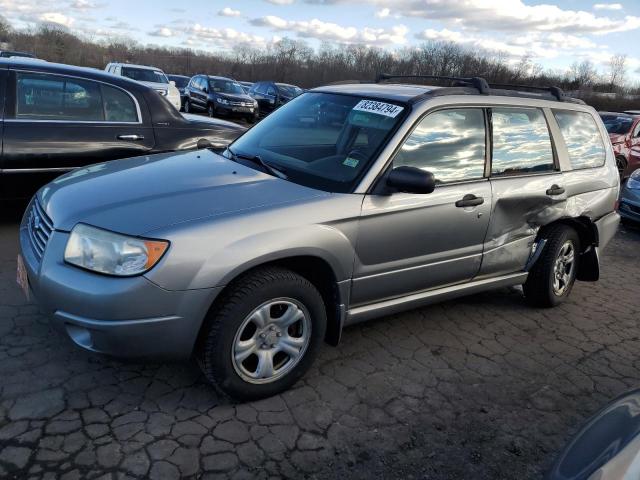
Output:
(381, 108)
(351, 162)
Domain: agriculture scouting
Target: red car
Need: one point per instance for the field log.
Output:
(624, 132)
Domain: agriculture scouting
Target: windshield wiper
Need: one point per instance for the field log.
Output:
(275, 171)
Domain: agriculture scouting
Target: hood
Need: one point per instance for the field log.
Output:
(236, 97)
(157, 86)
(210, 122)
(616, 137)
(137, 195)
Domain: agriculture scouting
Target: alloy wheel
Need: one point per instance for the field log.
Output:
(271, 340)
(563, 268)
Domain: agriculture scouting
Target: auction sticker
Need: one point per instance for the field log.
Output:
(381, 108)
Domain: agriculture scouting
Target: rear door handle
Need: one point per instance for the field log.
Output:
(555, 190)
(470, 200)
(130, 137)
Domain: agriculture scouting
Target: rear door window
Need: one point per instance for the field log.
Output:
(582, 137)
(118, 105)
(51, 97)
(521, 142)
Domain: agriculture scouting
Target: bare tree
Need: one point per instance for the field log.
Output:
(583, 73)
(617, 70)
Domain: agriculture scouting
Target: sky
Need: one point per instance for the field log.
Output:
(553, 33)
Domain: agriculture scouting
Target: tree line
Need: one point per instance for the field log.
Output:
(294, 61)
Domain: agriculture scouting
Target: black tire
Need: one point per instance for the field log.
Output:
(211, 110)
(216, 343)
(539, 287)
(187, 106)
(621, 165)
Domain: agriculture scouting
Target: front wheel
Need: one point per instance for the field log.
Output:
(552, 277)
(187, 106)
(264, 334)
(621, 165)
(211, 111)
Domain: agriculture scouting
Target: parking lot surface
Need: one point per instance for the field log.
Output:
(483, 387)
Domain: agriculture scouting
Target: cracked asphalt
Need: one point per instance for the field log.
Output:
(484, 387)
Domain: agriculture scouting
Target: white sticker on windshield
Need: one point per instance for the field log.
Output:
(381, 108)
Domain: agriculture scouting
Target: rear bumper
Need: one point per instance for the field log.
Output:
(126, 317)
(607, 227)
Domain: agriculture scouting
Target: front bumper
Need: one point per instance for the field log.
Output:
(127, 317)
(232, 110)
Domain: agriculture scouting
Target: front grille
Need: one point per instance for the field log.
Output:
(241, 104)
(39, 226)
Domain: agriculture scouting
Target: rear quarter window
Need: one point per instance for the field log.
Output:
(582, 137)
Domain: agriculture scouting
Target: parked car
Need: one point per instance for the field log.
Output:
(633, 112)
(181, 82)
(219, 96)
(629, 206)
(60, 117)
(150, 76)
(252, 258)
(271, 95)
(11, 53)
(607, 447)
(624, 132)
(246, 86)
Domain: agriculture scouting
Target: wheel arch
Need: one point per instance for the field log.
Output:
(589, 265)
(315, 268)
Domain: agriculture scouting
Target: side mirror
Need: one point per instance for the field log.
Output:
(205, 89)
(204, 143)
(411, 180)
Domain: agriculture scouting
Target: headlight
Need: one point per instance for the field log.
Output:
(111, 253)
(634, 180)
(222, 101)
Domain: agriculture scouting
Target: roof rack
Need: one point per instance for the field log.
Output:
(478, 83)
(484, 87)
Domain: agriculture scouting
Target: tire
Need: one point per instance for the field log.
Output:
(187, 106)
(621, 165)
(540, 289)
(231, 329)
(211, 110)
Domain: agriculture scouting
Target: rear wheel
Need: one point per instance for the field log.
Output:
(264, 335)
(552, 277)
(187, 106)
(621, 164)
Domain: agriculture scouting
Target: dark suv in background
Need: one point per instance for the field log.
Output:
(219, 96)
(271, 95)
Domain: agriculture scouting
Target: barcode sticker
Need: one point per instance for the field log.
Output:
(380, 108)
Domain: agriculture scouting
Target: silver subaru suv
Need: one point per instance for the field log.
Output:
(351, 202)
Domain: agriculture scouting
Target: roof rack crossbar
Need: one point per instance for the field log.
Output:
(478, 83)
(555, 91)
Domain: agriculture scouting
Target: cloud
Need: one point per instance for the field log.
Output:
(383, 13)
(229, 12)
(57, 18)
(162, 32)
(281, 2)
(503, 15)
(225, 37)
(321, 30)
(85, 5)
(607, 6)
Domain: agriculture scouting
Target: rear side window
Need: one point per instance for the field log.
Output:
(449, 143)
(49, 97)
(118, 105)
(521, 142)
(582, 137)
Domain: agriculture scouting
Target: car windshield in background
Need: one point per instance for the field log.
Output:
(144, 75)
(289, 90)
(617, 124)
(226, 86)
(322, 140)
(181, 82)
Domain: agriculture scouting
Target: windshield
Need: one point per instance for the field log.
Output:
(617, 124)
(225, 86)
(144, 75)
(321, 140)
(181, 82)
(289, 90)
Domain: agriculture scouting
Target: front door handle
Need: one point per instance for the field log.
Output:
(470, 200)
(555, 190)
(130, 137)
